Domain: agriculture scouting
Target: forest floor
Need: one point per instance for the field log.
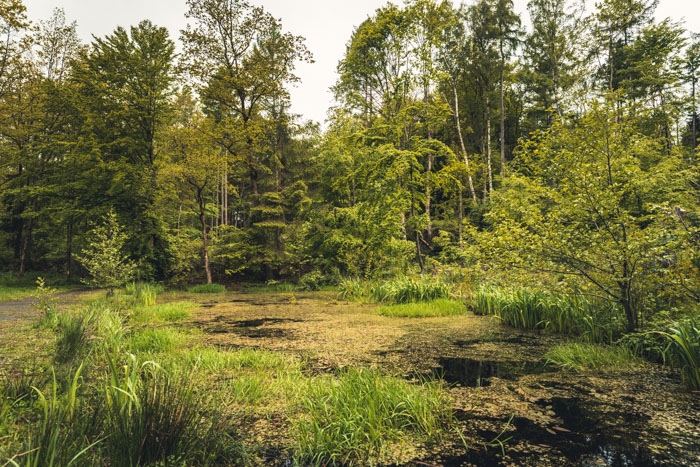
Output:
(512, 408)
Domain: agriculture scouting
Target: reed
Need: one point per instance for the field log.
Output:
(361, 417)
(683, 350)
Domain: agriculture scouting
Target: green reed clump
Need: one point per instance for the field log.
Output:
(59, 434)
(577, 315)
(683, 350)
(362, 416)
(352, 289)
(154, 340)
(207, 288)
(164, 312)
(395, 291)
(579, 357)
(440, 307)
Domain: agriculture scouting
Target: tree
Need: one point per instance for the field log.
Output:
(104, 257)
(195, 163)
(550, 61)
(124, 85)
(595, 200)
(692, 68)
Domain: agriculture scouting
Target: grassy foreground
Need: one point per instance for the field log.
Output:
(128, 382)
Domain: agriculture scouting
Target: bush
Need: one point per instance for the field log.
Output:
(207, 288)
(312, 281)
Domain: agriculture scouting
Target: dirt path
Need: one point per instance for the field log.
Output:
(24, 309)
(496, 377)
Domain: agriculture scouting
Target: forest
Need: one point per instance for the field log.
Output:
(545, 172)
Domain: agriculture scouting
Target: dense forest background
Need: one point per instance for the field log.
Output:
(462, 145)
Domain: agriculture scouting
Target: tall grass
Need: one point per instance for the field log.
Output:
(683, 350)
(57, 438)
(579, 357)
(207, 288)
(364, 417)
(440, 307)
(164, 312)
(594, 320)
(144, 292)
(395, 291)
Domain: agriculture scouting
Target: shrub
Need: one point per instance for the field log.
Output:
(313, 280)
(207, 288)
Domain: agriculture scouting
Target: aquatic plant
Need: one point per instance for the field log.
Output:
(440, 307)
(683, 350)
(360, 417)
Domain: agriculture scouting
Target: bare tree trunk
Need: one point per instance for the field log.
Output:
(461, 142)
(24, 256)
(503, 129)
(488, 142)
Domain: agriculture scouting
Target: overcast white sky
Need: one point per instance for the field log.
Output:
(326, 25)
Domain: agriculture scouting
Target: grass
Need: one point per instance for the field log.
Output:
(683, 350)
(580, 357)
(207, 288)
(395, 291)
(362, 417)
(154, 340)
(440, 307)
(163, 313)
(595, 321)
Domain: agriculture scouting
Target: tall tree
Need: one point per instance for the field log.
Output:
(508, 37)
(125, 82)
(550, 60)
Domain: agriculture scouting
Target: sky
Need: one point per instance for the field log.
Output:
(326, 24)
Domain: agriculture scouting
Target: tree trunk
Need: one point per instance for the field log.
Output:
(503, 128)
(461, 143)
(205, 237)
(488, 143)
(26, 244)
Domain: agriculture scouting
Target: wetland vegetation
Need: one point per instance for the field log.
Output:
(490, 254)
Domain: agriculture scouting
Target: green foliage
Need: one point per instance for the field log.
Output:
(440, 307)
(154, 340)
(151, 416)
(104, 257)
(395, 291)
(46, 303)
(54, 439)
(207, 288)
(683, 350)
(314, 280)
(164, 312)
(145, 292)
(580, 357)
(594, 320)
(361, 417)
